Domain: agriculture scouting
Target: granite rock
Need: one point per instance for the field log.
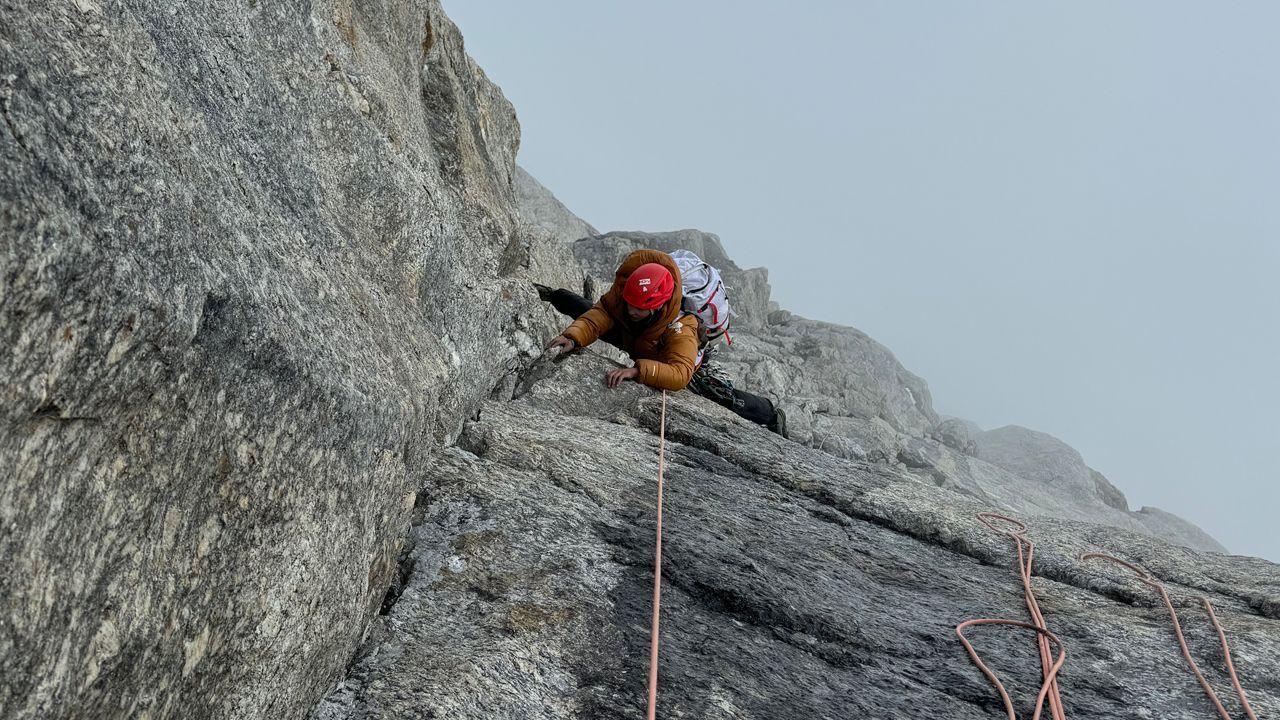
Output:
(540, 208)
(257, 260)
(796, 584)
(276, 426)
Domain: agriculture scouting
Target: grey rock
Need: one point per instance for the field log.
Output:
(779, 317)
(796, 584)
(277, 428)
(539, 207)
(944, 466)
(1108, 493)
(1036, 456)
(1070, 488)
(856, 401)
(957, 434)
(257, 261)
(1175, 529)
(856, 376)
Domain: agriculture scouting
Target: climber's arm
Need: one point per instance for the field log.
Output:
(589, 326)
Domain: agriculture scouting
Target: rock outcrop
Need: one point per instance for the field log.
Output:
(257, 261)
(801, 584)
(542, 210)
(848, 395)
(274, 432)
(798, 584)
(1045, 460)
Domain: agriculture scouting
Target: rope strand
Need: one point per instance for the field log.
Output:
(657, 568)
(1146, 579)
(1048, 666)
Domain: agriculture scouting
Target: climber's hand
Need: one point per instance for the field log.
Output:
(562, 344)
(615, 377)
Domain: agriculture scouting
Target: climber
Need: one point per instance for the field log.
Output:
(641, 315)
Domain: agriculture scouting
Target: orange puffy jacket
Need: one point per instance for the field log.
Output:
(666, 350)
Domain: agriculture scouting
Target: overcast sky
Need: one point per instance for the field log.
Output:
(1062, 215)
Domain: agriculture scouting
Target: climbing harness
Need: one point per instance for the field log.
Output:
(657, 569)
(1017, 531)
(1049, 666)
(1152, 583)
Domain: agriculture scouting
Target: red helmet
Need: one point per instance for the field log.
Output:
(649, 286)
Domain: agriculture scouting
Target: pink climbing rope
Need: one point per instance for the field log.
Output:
(1048, 666)
(657, 569)
(1152, 583)
(1051, 672)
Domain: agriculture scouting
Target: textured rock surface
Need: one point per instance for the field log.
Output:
(957, 434)
(538, 207)
(1044, 459)
(260, 264)
(799, 584)
(848, 395)
(256, 259)
(1073, 489)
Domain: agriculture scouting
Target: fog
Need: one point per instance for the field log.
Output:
(1062, 216)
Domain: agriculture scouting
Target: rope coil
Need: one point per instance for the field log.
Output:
(1049, 667)
(1016, 531)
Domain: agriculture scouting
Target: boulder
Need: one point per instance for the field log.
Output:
(957, 434)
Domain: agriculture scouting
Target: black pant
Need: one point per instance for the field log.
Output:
(707, 380)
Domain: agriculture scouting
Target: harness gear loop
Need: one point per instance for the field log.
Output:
(657, 568)
(1049, 667)
(1154, 584)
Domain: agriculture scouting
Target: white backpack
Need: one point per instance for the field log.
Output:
(704, 296)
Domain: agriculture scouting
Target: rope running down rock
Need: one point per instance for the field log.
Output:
(1049, 666)
(1049, 688)
(657, 569)
(1151, 582)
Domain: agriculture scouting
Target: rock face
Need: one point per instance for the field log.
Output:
(274, 431)
(848, 395)
(1044, 459)
(797, 584)
(256, 261)
(538, 207)
(800, 584)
